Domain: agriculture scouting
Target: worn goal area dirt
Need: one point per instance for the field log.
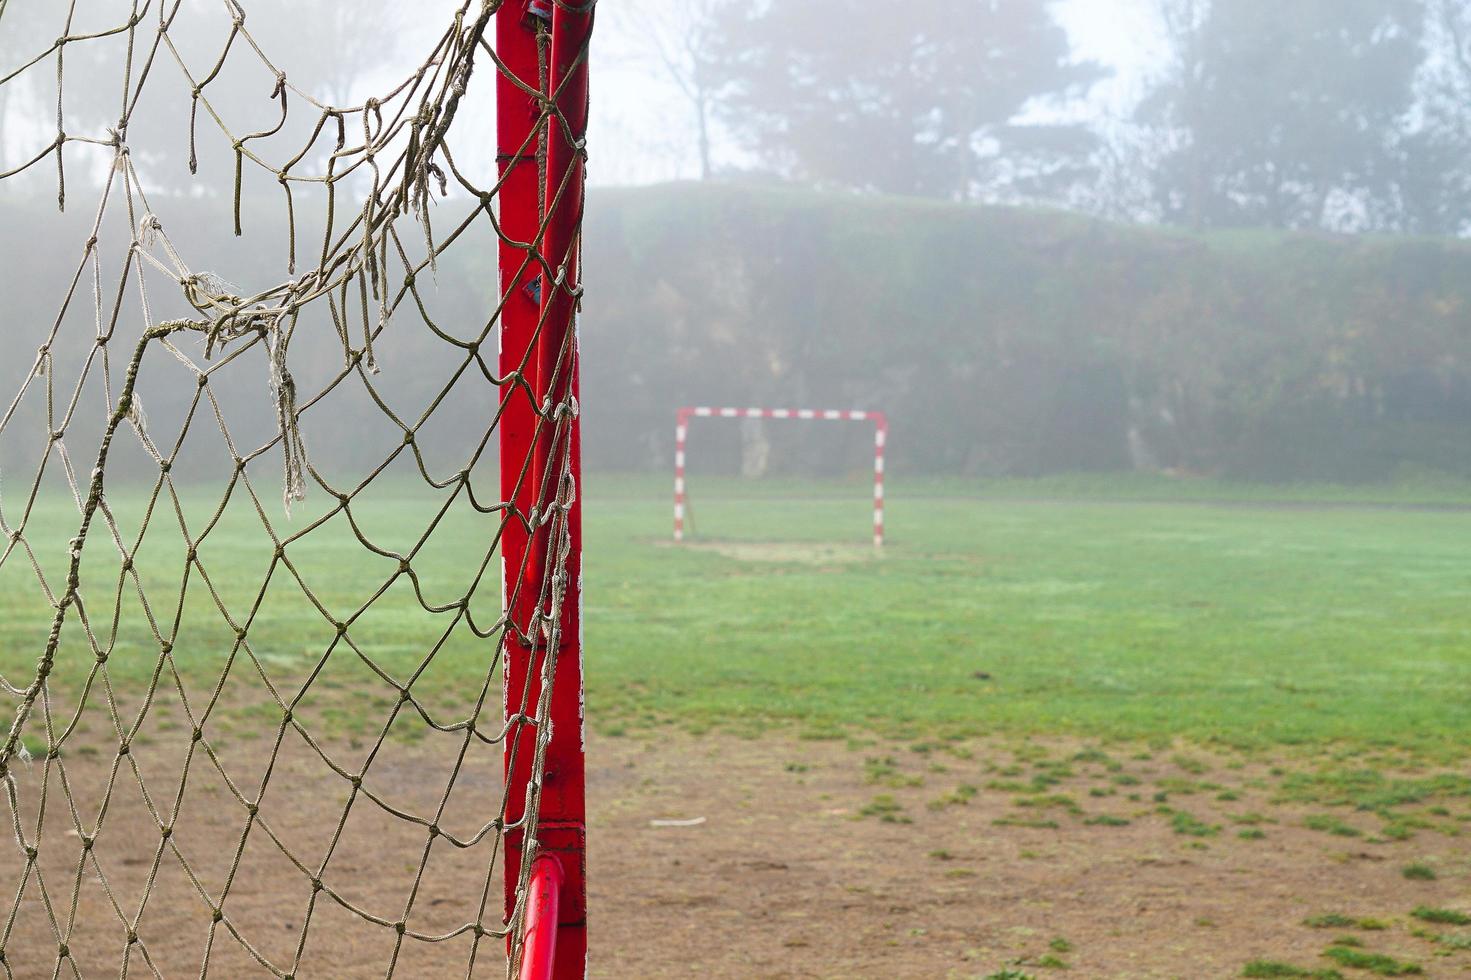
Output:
(823, 859)
(833, 860)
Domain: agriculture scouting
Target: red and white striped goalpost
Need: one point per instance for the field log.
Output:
(880, 437)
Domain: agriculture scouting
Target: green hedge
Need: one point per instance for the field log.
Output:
(1015, 341)
(1001, 341)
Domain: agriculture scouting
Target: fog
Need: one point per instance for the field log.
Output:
(1168, 236)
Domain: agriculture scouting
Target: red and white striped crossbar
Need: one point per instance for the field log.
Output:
(880, 436)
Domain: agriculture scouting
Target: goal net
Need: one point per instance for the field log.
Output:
(685, 415)
(289, 516)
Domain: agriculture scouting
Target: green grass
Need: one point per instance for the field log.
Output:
(1246, 625)
(1329, 920)
(1330, 824)
(1378, 963)
(1449, 917)
(237, 583)
(1413, 490)
(1275, 969)
(1184, 823)
(1243, 624)
(1335, 920)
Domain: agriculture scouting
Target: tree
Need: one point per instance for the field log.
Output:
(948, 99)
(1435, 182)
(680, 39)
(330, 48)
(1285, 115)
(360, 38)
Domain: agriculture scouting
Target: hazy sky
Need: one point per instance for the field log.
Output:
(641, 129)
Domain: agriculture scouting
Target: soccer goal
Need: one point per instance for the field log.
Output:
(290, 526)
(681, 442)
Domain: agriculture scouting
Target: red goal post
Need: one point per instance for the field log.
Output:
(880, 437)
(541, 123)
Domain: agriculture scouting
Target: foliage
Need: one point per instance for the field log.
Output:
(1339, 114)
(296, 33)
(1284, 115)
(925, 101)
(1001, 341)
(1006, 341)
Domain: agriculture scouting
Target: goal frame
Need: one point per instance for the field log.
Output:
(681, 440)
(540, 214)
(534, 210)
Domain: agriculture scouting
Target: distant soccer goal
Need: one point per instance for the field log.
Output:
(290, 521)
(683, 417)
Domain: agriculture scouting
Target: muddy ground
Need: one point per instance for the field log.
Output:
(812, 859)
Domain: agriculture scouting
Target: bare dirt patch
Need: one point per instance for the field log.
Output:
(820, 860)
(814, 859)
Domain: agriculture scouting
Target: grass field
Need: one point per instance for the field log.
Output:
(1141, 728)
(1249, 624)
(1244, 621)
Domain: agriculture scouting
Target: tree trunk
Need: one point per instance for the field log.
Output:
(702, 115)
(755, 449)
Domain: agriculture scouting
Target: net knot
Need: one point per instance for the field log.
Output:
(149, 228)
